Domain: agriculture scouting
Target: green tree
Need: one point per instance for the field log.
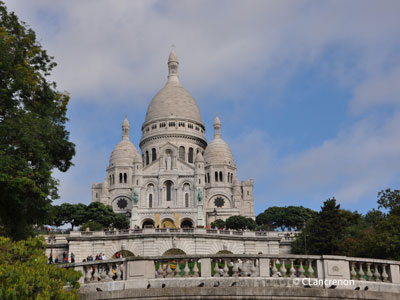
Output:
(33, 138)
(104, 215)
(240, 222)
(92, 226)
(374, 216)
(291, 217)
(25, 274)
(324, 232)
(218, 224)
(390, 200)
(273, 217)
(121, 221)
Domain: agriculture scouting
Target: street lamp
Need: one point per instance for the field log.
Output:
(305, 238)
(215, 215)
(51, 239)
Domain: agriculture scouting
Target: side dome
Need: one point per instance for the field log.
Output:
(125, 153)
(218, 150)
(173, 99)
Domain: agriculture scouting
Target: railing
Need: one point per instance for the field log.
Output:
(224, 232)
(232, 265)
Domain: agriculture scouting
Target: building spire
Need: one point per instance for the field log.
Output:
(173, 64)
(217, 126)
(125, 129)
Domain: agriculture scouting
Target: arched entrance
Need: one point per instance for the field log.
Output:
(148, 223)
(167, 223)
(224, 252)
(174, 251)
(186, 223)
(122, 254)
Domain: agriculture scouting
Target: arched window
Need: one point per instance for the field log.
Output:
(147, 158)
(153, 154)
(220, 176)
(120, 177)
(110, 179)
(186, 200)
(216, 176)
(125, 177)
(143, 159)
(208, 177)
(113, 179)
(182, 152)
(190, 159)
(169, 190)
(231, 177)
(150, 200)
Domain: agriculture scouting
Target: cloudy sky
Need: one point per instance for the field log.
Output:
(308, 92)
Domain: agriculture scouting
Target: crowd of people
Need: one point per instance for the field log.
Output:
(100, 256)
(64, 258)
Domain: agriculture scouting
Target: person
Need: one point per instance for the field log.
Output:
(121, 268)
(50, 259)
(72, 257)
(56, 260)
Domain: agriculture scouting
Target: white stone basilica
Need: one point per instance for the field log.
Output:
(179, 180)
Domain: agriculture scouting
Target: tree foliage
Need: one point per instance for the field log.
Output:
(25, 274)
(324, 232)
(342, 232)
(218, 224)
(33, 138)
(240, 222)
(291, 217)
(95, 216)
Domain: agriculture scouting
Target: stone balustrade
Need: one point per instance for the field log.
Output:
(235, 266)
(224, 232)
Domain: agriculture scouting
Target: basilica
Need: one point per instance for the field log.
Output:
(180, 180)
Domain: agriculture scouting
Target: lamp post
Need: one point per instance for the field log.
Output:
(305, 237)
(51, 239)
(215, 215)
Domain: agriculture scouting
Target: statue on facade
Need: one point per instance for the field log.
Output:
(135, 197)
(199, 195)
(168, 162)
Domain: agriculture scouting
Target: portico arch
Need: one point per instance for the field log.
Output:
(187, 223)
(148, 223)
(122, 254)
(174, 251)
(167, 223)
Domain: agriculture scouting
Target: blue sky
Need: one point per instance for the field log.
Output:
(308, 92)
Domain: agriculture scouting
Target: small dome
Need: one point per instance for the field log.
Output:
(125, 153)
(218, 151)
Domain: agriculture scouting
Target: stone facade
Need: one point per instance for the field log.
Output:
(179, 180)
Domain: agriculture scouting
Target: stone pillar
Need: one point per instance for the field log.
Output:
(264, 267)
(335, 267)
(205, 267)
(395, 274)
(140, 269)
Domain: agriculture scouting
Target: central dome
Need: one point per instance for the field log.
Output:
(173, 99)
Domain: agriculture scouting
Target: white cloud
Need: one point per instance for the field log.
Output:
(224, 47)
(359, 161)
(111, 51)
